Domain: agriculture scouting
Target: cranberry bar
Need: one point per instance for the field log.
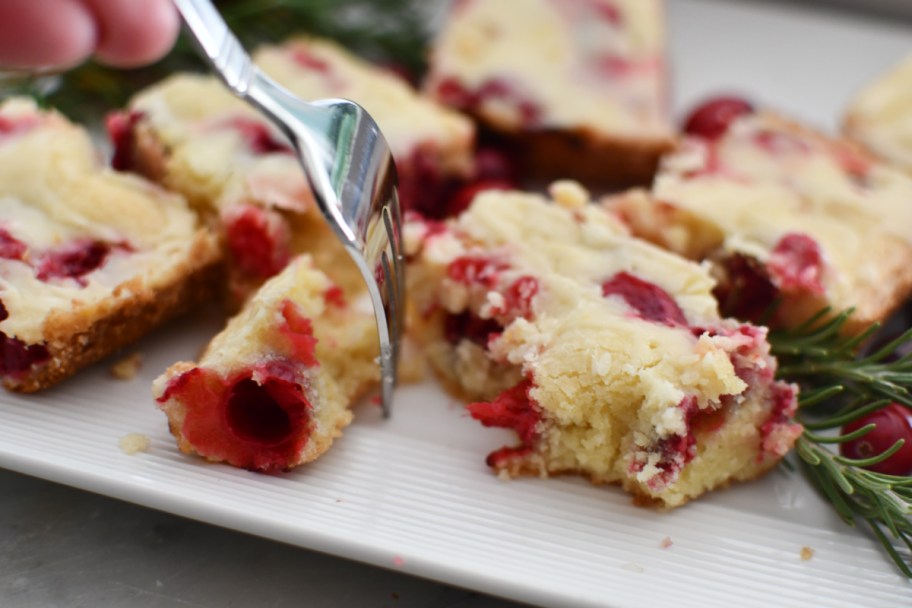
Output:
(273, 389)
(605, 354)
(90, 259)
(577, 87)
(880, 117)
(790, 220)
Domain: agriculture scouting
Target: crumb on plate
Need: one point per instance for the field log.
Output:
(133, 443)
(806, 554)
(128, 367)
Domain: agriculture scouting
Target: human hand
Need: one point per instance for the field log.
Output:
(64, 33)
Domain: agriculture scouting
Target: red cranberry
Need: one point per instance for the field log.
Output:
(651, 302)
(609, 12)
(298, 329)
(17, 357)
(796, 264)
(259, 418)
(74, 261)
(258, 240)
(512, 409)
(451, 92)
(711, 118)
(465, 195)
(746, 292)
(494, 164)
(258, 137)
(892, 424)
(307, 60)
(472, 270)
(402, 72)
(518, 297)
(17, 125)
(11, 248)
(255, 413)
(120, 127)
(470, 327)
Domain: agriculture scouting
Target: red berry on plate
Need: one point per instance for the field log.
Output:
(711, 118)
(893, 422)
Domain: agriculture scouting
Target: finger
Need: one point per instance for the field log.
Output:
(133, 32)
(45, 33)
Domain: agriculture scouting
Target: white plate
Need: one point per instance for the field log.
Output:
(413, 494)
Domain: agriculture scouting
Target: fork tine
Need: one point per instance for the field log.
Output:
(391, 268)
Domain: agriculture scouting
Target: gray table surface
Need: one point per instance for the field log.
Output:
(64, 547)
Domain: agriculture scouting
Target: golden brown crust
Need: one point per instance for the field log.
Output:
(550, 155)
(74, 340)
(596, 159)
(535, 465)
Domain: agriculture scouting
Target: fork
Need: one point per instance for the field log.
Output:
(347, 163)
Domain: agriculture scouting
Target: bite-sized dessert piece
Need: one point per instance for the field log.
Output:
(273, 389)
(604, 353)
(880, 117)
(90, 259)
(578, 87)
(783, 214)
(191, 134)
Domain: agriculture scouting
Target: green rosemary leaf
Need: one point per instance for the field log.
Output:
(852, 411)
(866, 462)
(888, 547)
(822, 395)
(840, 438)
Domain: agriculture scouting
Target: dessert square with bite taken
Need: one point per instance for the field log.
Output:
(274, 388)
(784, 215)
(90, 259)
(604, 353)
(577, 87)
(880, 116)
(192, 135)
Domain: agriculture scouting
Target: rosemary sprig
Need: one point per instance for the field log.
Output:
(386, 31)
(840, 385)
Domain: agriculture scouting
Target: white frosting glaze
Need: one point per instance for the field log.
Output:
(554, 53)
(55, 193)
(796, 182)
(880, 117)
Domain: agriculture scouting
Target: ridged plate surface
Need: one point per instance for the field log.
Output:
(413, 494)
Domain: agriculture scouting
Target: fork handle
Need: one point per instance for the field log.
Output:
(236, 69)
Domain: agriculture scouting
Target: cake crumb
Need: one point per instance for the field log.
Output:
(569, 194)
(806, 553)
(666, 542)
(134, 443)
(398, 561)
(128, 367)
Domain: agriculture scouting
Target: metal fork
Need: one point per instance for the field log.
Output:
(347, 163)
